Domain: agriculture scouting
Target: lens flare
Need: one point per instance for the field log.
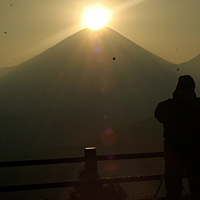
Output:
(96, 17)
(108, 137)
(110, 167)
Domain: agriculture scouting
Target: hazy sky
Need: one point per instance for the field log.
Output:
(167, 28)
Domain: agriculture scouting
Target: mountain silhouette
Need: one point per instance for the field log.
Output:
(71, 94)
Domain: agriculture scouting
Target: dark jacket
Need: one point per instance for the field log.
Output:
(180, 117)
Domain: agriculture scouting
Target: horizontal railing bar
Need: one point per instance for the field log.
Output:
(16, 188)
(130, 179)
(130, 156)
(79, 159)
(41, 162)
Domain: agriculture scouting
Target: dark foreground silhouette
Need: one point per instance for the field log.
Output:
(180, 116)
(96, 191)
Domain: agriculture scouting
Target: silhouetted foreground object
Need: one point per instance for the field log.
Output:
(180, 116)
(97, 191)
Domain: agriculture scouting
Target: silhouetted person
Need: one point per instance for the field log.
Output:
(180, 116)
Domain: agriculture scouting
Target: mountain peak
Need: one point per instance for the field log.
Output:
(90, 44)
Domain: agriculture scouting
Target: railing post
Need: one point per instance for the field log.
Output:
(91, 163)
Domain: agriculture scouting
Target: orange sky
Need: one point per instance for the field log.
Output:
(169, 29)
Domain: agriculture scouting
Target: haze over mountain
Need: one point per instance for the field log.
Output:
(74, 91)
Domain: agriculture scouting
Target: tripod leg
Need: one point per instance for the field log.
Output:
(159, 186)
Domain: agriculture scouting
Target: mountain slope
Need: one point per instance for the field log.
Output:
(71, 93)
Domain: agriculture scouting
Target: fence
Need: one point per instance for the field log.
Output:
(90, 160)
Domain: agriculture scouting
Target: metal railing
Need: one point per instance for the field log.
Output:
(90, 159)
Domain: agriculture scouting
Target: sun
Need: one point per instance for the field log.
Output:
(96, 17)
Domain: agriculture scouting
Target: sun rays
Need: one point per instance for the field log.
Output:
(96, 17)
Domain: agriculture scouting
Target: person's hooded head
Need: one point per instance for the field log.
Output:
(185, 87)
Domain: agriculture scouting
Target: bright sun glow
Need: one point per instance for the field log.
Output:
(96, 17)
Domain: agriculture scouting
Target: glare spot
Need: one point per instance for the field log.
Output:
(110, 167)
(108, 137)
(97, 49)
(96, 17)
(110, 157)
(105, 116)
